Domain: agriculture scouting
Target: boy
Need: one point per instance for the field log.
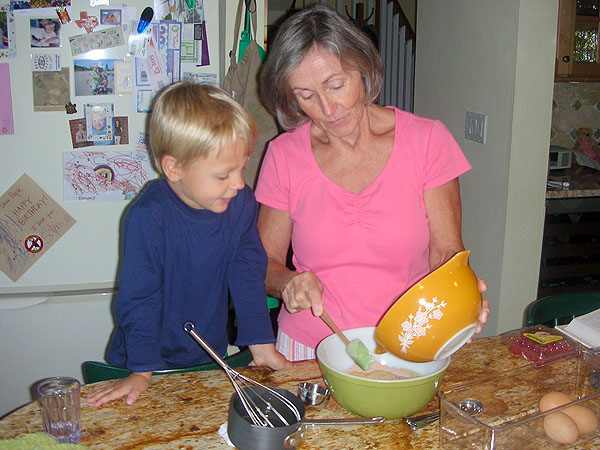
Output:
(190, 239)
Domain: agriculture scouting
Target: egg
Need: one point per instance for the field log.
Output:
(584, 417)
(560, 428)
(553, 400)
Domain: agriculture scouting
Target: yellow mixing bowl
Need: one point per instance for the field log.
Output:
(436, 316)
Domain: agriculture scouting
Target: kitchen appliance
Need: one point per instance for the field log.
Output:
(68, 291)
(560, 157)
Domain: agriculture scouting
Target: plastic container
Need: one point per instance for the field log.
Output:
(540, 344)
(510, 418)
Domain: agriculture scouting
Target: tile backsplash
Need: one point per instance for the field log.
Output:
(575, 105)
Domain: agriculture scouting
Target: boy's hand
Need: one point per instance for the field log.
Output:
(266, 355)
(132, 387)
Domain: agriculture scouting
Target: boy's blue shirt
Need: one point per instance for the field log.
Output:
(179, 265)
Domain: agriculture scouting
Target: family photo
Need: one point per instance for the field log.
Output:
(94, 77)
(44, 32)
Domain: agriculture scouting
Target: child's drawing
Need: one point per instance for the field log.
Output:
(103, 176)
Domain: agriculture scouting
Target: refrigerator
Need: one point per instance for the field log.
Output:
(76, 82)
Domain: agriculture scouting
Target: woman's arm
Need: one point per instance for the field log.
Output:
(298, 291)
(275, 230)
(444, 213)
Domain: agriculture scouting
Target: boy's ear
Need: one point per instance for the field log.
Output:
(171, 168)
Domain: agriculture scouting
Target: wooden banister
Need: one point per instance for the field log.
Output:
(403, 21)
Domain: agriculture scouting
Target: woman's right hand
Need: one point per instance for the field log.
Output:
(303, 291)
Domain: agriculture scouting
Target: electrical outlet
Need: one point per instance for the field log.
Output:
(475, 127)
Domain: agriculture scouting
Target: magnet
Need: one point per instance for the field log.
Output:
(34, 243)
(71, 108)
(145, 19)
(63, 15)
(87, 22)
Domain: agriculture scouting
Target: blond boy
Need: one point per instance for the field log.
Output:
(190, 242)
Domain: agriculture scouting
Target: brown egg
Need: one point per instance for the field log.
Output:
(561, 428)
(552, 400)
(584, 417)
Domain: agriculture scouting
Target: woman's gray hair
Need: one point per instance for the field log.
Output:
(322, 27)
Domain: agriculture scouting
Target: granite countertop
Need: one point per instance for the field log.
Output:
(185, 411)
(583, 182)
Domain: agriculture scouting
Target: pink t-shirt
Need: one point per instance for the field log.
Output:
(366, 248)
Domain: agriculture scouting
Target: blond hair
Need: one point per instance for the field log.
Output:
(191, 121)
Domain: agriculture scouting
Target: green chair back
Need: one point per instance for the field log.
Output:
(94, 371)
(560, 309)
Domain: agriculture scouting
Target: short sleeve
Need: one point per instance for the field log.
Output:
(273, 184)
(444, 159)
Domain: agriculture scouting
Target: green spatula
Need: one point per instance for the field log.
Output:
(355, 348)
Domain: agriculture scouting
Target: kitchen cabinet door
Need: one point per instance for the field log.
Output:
(577, 49)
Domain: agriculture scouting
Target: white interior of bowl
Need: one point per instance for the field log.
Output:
(331, 351)
(455, 342)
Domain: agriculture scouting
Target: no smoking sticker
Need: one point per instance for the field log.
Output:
(33, 243)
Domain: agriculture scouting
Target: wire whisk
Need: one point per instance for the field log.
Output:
(259, 409)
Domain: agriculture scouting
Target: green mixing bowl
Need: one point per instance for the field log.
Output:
(392, 399)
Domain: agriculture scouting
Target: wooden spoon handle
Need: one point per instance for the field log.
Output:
(337, 331)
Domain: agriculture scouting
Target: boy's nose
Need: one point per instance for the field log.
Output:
(238, 182)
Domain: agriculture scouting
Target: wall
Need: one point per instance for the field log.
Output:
(575, 105)
(495, 58)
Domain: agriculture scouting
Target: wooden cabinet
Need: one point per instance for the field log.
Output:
(577, 48)
(571, 247)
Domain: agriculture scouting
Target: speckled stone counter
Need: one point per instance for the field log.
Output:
(185, 411)
(583, 182)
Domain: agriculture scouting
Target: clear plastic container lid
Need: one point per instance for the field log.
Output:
(540, 344)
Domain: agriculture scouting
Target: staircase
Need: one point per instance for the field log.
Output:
(397, 50)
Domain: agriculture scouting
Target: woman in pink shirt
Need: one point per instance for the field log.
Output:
(368, 196)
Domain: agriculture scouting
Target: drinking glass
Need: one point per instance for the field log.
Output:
(59, 401)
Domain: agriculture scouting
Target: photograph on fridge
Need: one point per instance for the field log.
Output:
(79, 133)
(94, 77)
(99, 122)
(51, 90)
(8, 47)
(121, 127)
(110, 17)
(44, 32)
(29, 4)
(3, 29)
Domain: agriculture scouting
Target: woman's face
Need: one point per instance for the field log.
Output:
(330, 96)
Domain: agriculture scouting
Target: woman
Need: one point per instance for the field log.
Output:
(368, 196)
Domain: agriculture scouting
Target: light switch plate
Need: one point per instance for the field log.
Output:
(475, 127)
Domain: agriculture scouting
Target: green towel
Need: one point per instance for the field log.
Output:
(36, 441)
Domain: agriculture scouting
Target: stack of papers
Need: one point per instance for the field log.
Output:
(584, 329)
